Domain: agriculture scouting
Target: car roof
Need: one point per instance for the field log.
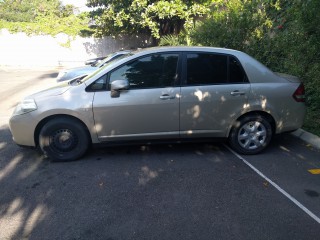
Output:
(186, 49)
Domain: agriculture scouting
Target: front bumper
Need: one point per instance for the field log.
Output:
(22, 128)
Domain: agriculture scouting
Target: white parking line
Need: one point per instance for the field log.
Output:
(295, 201)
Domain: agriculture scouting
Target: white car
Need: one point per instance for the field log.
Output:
(68, 74)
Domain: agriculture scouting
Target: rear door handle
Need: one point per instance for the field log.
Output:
(237, 93)
(166, 97)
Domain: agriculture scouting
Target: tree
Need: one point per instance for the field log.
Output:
(157, 17)
(234, 24)
(42, 17)
(28, 10)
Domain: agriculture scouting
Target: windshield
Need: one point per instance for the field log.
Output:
(109, 58)
(107, 63)
(106, 59)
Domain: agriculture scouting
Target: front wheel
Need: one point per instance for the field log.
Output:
(251, 135)
(63, 139)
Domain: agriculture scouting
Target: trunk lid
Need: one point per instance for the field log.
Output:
(288, 77)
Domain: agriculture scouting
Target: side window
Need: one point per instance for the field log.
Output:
(210, 68)
(205, 68)
(98, 85)
(236, 73)
(153, 71)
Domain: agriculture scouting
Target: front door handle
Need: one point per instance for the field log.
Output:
(166, 97)
(237, 93)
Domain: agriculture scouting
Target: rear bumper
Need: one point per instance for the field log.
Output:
(293, 120)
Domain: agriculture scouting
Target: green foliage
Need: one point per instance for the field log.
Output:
(233, 24)
(282, 34)
(173, 40)
(41, 17)
(27, 10)
(312, 121)
(158, 17)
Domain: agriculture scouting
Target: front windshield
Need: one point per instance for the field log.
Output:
(103, 66)
(106, 59)
(111, 57)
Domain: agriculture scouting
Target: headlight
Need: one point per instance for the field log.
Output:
(27, 105)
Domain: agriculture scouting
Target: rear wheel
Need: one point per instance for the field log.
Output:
(251, 135)
(63, 139)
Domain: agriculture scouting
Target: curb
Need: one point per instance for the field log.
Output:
(307, 137)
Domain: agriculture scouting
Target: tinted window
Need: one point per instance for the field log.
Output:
(153, 71)
(98, 85)
(236, 73)
(207, 68)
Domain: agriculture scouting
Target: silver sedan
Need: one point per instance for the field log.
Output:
(167, 94)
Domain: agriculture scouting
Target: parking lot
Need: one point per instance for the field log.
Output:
(178, 191)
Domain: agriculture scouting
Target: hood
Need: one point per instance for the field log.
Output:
(53, 91)
(288, 77)
(79, 69)
(68, 74)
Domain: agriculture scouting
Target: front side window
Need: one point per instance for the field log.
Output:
(210, 68)
(152, 71)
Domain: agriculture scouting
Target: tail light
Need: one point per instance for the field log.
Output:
(299, 94)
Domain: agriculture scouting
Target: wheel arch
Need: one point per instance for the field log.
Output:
(266, 115)
(49, 118)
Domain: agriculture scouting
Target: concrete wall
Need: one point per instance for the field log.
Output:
(22, 50)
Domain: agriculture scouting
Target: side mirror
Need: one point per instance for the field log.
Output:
(117, 86)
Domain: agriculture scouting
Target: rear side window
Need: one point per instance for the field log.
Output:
(208, 68)
(236, 73)
(153, 71)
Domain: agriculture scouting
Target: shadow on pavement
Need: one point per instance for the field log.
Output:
(184, 191)
(49, 75)
(97, 197)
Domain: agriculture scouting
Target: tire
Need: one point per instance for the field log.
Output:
(251, 135)
(64, 139)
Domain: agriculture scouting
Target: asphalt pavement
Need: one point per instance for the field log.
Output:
(179, 191)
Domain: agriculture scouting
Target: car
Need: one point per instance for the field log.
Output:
(163, 94)
(68, 74)
(94, 61)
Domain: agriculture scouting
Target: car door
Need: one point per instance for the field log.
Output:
(149, 109)
(214, 93)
